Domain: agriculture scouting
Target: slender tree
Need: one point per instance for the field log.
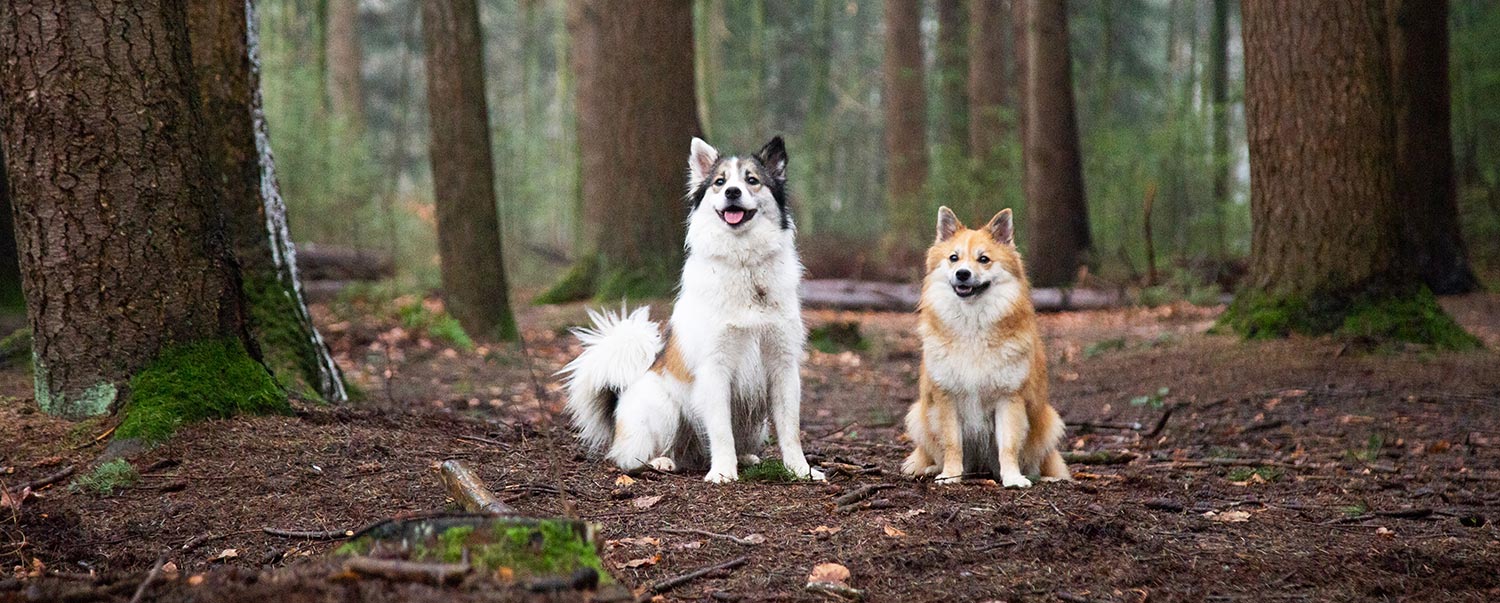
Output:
(1424, 144)
(953, 73)
(463, 172)
(345, 57)
(1060, 239)
(636, 115)
(989, 124)
(1018, 41)
(225, 58)
(1326, 250)
(133, 293)
(1218, 78)
(905, 105)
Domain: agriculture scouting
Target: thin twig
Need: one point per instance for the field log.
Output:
(731, 538)
(200, 540)
(662, 586)
(45, 481)
(150, 577)
(324, 535)
(860, 494)
(99, 438)
(487, 441)
(1162, 422)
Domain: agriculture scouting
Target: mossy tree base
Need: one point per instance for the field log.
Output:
(1373, 315)
(591, 278)
(194, 382)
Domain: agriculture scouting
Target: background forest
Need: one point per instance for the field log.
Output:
(1149, 76)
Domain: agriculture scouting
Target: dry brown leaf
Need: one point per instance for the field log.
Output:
(642, 562)
(1228, 516)
(754, 539)
(691, 544)
(646, 502)
(829, 573)
(894, 532)
(227, 554)
(825, 531)
(642, 541)
(624, 480)
(195, 580)
(169, 568)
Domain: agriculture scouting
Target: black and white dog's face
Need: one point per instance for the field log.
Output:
(739, 194)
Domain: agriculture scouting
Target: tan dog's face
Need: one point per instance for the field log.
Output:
(970, 260)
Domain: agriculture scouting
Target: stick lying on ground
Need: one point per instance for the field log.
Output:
(408, 571)
(676, 581)
(46, 481)
(470, 493)
(1101, 457)
(731, 538)
(326, 535)
(860, 494)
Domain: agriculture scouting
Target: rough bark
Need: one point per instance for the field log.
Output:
(953, 74)
(345, 57)
(1218, 81)
(905, 105)
(1059, 239)
(463, 176)
(11, 296)
(120, 234)
(636, 115)
(1326, 247)
(1424, 184)
(225, 59)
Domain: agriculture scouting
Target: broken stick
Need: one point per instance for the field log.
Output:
(45, 481)
(674, 582)
(408, 571)
(470, 493)
(860, 494)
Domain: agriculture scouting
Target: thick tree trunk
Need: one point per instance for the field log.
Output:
(463, 173)
(636, 115)
(1326, 249)
(1018, 43)
(988, 121)
(953, 74)
(1424, 144)
(125, 261)
(225, 56)
(345, 57)
(905, 104)
(1218, 81)
(11, 297)
(1059, 237)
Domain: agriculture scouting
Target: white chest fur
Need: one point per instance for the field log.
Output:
(969, 357)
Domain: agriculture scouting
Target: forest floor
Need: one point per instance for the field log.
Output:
(1290, 470)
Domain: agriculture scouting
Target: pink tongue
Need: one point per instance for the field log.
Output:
(734, 216)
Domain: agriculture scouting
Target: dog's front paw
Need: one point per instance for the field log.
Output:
(815, 475)
(664, 464)
(1015, 481)
(718, 476)
(949, 479)
(804, 471)
(914, 466)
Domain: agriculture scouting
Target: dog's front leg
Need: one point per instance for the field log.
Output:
(711, 399)
(786, 412)
(1011, 427)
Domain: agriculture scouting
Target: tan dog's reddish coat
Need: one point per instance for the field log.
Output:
(982, 405)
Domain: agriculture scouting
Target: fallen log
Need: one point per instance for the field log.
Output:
(470, 493)
(336, 263)
(844, 294)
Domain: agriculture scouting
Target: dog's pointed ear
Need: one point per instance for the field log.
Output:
(773, 156)
(947, 224)
(1001, 228)
(701, 159)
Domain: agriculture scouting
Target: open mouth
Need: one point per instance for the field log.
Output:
(969, 289)
(736, 216)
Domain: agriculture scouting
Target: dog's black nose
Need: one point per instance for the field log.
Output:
(963, 274)
(732, 192)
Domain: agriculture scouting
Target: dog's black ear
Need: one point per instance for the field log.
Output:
(1001, 228)
(947, 224)
(701, 159)
(773, 156)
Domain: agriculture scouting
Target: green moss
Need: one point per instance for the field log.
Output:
(15, 348)
(1374, 316)
(114, 475)
(836, 337)
(547, 549)
(436, 324)
(193, 382)
(576, 285)
(769, 470)
(286, 344)
(642, 282)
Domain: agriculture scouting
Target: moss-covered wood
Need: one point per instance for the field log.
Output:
(517, 547)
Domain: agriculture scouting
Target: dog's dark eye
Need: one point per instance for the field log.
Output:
(752, 181)
(984, 259)
(719, 182)
(953, 258)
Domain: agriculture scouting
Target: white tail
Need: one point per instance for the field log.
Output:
(617, 350)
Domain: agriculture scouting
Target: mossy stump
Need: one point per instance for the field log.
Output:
(212, 379)
(1372, 316)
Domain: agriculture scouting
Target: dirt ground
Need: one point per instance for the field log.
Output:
(1287, 470)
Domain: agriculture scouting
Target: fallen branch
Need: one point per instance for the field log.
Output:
(198, 541)
(882, 503)
(408, 571)
(837, 590)
(1099, 457)
(325, 535)
(45, 481)
(1162, 422)
(1132, 426)
(731, 538)
(860, 494)
(662, 586)
(470, 493)
(97, 439)
(151, 577)
(843, 294)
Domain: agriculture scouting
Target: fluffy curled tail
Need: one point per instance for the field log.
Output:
(617, 350)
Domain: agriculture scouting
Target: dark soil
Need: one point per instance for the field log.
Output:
(1303, 469)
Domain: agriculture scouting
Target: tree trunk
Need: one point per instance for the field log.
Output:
(11, 296)
(636, 115)
(463, 172)
(1326, 248)
(1018, 43)
(1218, 77)
(345, 57)
(225, 46)
(953, 74)
(131, 286)
(1424, 144)
(905, 104)
(1059, 238)
(988, 127)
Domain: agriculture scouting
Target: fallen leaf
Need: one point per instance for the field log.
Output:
(227, 554)
(169, 568)
(505, 574)
(893, 532)
(825, 531)
(646, 502)
(624, 480)
(908, 514)
(1384, 531)
(1228, 516)
(642, 541)
(754, 539)
(691, 544)
(195, 580)
(829, 573)
(643, 561)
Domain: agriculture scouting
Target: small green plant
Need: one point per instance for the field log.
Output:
(769, 470)
(1102, 347)
(1355, 510)
(114, 475)
(1156, 400)
(836, 337)
(1371, 451)
(437, 324)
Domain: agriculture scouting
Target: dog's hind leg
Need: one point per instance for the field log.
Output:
(1011, 427)
(1054, 469)
(645, 422)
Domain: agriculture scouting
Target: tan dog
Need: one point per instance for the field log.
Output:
(982, 406)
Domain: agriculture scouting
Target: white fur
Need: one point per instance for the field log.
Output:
(738, 325)
(616, 351)
(974, 364)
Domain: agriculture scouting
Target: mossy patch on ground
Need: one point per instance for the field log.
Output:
(436, 323)
(768, 470)
(836, 337)
(194, 382)
(114, 475)
(593, 278)
(1371, 316)
(532, 548)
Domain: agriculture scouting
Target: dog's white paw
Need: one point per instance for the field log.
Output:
(747, 460)
(816, 475)
(949, 479)
(1015, 481)
(662, 463)
(722, 477)
(1050, 480)
(804, 471)
(909, 467)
